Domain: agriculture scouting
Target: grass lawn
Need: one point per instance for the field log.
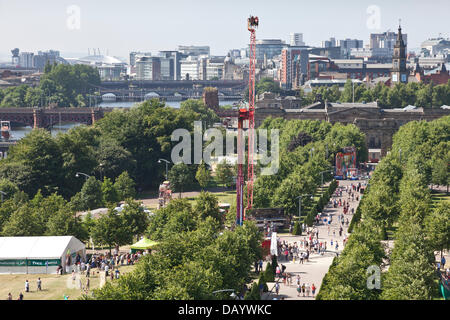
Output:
(440, 197)
(54, 287)
(223, 197)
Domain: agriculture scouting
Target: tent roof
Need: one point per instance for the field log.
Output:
(51, 247)
(144, 243)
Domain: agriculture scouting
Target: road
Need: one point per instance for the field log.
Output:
(314, 270)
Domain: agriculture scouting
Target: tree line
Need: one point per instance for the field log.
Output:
(398, 96)
(301, 162)
(61, 86)
(195, 257)
(398, 201)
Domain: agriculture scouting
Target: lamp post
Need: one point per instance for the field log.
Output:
(167, 163)
(300, 203)
(84, 174)
(3, 194)
(321, 174)
(101, 170)
(232, 295)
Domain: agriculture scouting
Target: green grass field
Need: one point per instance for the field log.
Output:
(54, 287)
(223, 197)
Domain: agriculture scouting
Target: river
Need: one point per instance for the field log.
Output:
(20, 132)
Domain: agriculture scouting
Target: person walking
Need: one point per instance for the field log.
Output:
(299, 290)
(20, 296)
(303, 289)
(39, 284)
(9, 296)
(277, 288)
(308, 289)
(27, 286)
(313, 290)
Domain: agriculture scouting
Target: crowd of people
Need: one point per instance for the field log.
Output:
(300, 250)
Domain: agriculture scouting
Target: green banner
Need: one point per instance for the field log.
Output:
(30, 263)
(12, 263)
(42, 263)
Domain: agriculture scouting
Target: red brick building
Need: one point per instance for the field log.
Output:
(439, 76)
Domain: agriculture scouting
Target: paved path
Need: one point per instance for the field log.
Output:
(315, 269)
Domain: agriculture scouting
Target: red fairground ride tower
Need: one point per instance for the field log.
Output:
(247, 114)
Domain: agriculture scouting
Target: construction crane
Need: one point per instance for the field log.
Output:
(242, 115)
(247, 114)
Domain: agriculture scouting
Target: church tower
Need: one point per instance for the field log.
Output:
(399, 73)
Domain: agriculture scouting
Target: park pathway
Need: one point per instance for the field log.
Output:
(314, 270)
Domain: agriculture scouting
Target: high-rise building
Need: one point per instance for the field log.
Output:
(383, 43)
(170, 65)
(189, 68)
(15, 59)
(137, 54)
(329, 43)
(399, 73)
(294, 66)
(296, 39)
(194, 50)
(50, 56)
(26, 59)
(347, 45)
(215, 68)
(268, 48)
(148, 68)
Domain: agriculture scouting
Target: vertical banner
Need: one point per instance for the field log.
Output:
(273, 244)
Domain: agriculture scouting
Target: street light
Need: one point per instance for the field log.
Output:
(300, 203)
(3, 194)
(232, 295)
(84, 174)
(321, 174)
(167, 163)
(101, 170)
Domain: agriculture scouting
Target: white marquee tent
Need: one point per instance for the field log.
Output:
(39, 254)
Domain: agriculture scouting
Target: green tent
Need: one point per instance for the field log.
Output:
(143, 244)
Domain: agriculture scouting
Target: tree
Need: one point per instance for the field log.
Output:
(180, 177)
(91, 194)
(22, 223)
(297, 229)
(135, 216)
(203, 175)
(437, 226)
(440, 173)
(411, 272)
(40, 153)
(64, 223)
(253, 293)
(77, 147)
(110, 197)
(113, 159)
(125, 186)
(112, 229)
(8, 187)
(207, 205)
(224, 173)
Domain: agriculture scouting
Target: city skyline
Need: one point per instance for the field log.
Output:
(117, 29)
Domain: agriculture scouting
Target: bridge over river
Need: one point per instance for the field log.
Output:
(47, 117)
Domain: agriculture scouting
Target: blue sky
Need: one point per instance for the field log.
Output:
(123, 26)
